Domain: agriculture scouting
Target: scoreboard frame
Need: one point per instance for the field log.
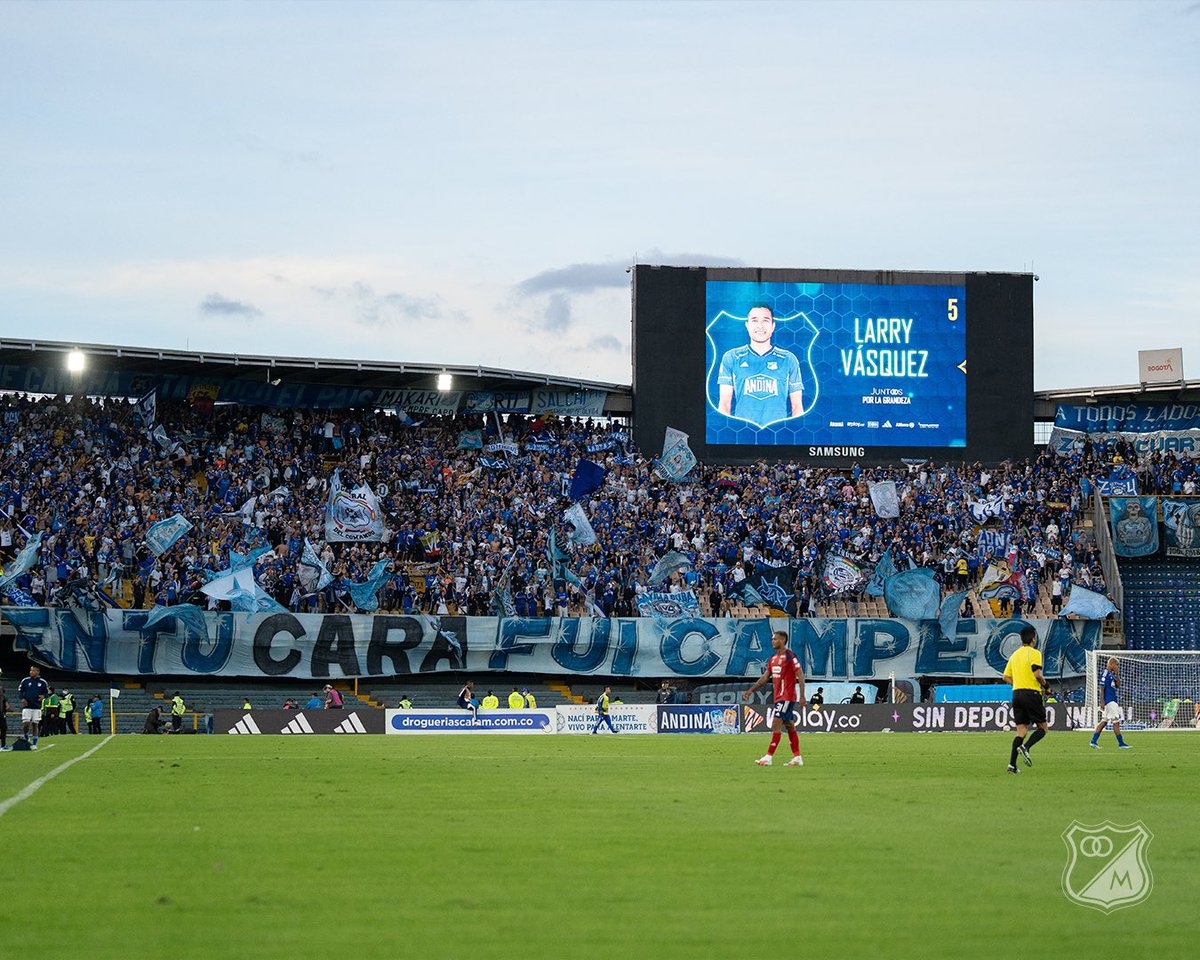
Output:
(670, 363)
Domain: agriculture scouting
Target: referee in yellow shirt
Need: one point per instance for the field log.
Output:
(1024, 672)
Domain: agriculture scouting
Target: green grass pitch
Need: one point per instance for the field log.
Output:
(915, 845)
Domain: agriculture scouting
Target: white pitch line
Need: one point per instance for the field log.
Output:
(37, 784)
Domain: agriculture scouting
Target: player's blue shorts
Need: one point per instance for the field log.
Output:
(785, 710)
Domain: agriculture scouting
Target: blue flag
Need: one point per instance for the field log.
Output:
(1134, 525)
(470, 440)
(886, 567)
(913, 594)
(746, 593)
(20, 598)
(365, 595)
(1088, 604)
(557, 558)
(147, 409)
(24, 560)
(671, 562)
(240, 561)
(587, 479)
(163, 535)
(948, 614)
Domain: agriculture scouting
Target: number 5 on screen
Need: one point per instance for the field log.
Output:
(952, 308)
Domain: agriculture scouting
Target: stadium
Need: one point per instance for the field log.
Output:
(825, 630)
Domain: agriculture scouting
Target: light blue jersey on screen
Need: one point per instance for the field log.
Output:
(762, 384)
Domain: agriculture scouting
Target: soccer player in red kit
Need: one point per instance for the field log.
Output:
(787, 676)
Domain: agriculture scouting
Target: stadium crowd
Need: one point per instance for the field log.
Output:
(458, 521)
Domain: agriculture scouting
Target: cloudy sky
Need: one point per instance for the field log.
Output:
(466, 183)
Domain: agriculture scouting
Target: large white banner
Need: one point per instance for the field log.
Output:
(335, 645)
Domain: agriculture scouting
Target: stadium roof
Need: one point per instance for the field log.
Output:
(1045, 401)
(350, 373)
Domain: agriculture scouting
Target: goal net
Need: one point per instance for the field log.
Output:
(1160, 689)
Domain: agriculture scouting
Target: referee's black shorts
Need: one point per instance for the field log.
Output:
(1028, 707)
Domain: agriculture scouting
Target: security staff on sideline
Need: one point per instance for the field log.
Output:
(491, 701)
(405, 703)
(178, 709)
(66, 709)
(530, 700)
(515, 700)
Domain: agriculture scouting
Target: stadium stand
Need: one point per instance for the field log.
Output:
(1162, 604)
(85, 473)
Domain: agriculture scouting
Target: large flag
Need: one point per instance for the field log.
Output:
(990, 509)
(777, 588)
(668, 606)
(587, 479)
(582, 534)
(1088, 604)
(1181, 522)
(886, 567)
(365, 594)
(187, 615)
(23, 561)
(913, 594)
(313, 575)
(841, 574)
(163, 535)
(885, 499)
(677, 459)
(1134, 525)
(147, 410)
(353, 515)
(671, 562)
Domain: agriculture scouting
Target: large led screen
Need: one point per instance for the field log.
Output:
(835, 364)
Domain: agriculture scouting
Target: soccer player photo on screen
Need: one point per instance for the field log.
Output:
(787, 679)
(759, 382)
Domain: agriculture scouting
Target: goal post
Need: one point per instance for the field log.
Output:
(1160, 689)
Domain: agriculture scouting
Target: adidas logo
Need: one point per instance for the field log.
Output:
(245, 725)
(299, 725)
(350, 725)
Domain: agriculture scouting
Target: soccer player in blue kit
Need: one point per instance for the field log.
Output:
(1110, 683)
(760, 382)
